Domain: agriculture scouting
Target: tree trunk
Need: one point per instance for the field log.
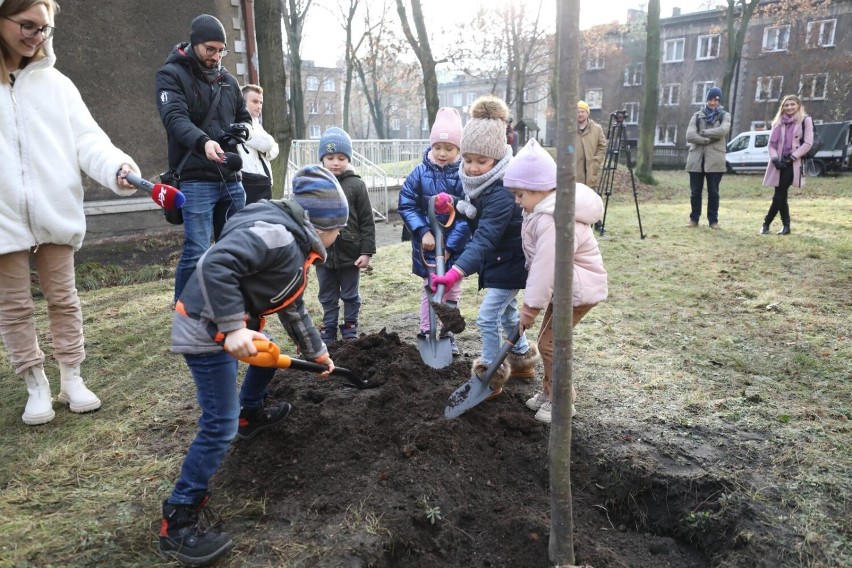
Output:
(737, 25)
(273, 74)
(423, 51)
(294, 22)
(561, 545)
(650, 96)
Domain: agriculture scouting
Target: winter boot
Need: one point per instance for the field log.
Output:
(523, 366)
(256, 420)
(183, 536)
(764, 230)
(39, 409)
(328, 335)
(500, 377)
(785, 229)
(74, 393)
(349, 331)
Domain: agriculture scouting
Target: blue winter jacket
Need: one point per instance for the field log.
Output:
(496, 249)
(424, 181)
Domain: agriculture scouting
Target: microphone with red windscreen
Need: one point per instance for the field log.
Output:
(165, 196)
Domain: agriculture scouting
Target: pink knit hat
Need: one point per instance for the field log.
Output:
(532, 169)
(447, 127)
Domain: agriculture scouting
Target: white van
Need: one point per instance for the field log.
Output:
(748, 152)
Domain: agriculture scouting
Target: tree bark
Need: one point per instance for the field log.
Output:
(650, 95)
(423, 51)
(294, 13)
(737, 16)
(561, 545)
(273, 75)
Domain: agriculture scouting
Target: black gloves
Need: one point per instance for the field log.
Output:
(779, 163)
(236, 134)
(788, 159)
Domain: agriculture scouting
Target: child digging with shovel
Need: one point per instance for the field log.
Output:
(531, 177)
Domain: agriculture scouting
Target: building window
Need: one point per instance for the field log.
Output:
(457, 99)
(595, 61)
(594, 98)
(821, 33)
(470, 98)
(313, 108)
(632, 113)
(666, 135)
(670, 94)
(699, 91)
(813, 87)
(769, 88)
(776, 38)
(673, 50)
(633, 75)
(328, 84)
(329, 108)
(315, 131)
(394, 125)
(708, 46)
(312, 83)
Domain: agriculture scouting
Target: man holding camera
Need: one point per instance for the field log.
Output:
(205, 116)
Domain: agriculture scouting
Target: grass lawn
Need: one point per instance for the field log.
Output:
(734, 345)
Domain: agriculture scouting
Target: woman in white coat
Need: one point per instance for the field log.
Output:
(47, 135)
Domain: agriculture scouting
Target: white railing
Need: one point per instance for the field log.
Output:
(375, 161)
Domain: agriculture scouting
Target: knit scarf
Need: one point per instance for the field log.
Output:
(711, 115)
(789, 124)
(473, 186)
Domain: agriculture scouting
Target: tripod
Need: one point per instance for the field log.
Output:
(616, 145)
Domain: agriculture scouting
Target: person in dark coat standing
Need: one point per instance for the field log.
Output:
(187, 86)
(339, 277)
(706, 135)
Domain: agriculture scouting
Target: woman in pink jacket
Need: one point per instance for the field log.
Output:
(531, 177)
(790, 140)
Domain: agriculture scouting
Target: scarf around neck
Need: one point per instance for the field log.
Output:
(473, 186)
(788, 123)
(712, 115)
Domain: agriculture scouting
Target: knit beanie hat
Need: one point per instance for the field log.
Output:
(206, 28)
(485, 133)
(335, 141)
(532, 169)
(447, 127)
(318, 192)
(583, 105)
(714, 93)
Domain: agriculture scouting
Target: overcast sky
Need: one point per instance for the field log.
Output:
(323, 39)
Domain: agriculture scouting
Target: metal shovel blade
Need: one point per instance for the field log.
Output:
(467, 396)
(437, 352)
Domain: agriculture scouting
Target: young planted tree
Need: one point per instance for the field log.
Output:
(561, 545)
(650, 96)
(273, 75)
(295, 12)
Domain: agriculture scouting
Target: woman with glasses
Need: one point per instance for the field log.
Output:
(47, 135)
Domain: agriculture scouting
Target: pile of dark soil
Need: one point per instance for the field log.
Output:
(377, 477)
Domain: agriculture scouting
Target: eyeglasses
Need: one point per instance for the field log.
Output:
(30, 30)
(213, 51)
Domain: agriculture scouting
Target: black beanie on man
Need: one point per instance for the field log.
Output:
(206, 28)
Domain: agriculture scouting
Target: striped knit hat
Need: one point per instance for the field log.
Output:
(318, 192)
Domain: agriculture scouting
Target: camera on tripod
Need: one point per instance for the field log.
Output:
(619, 116)
(617, 147)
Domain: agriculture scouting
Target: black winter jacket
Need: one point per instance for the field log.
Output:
(184, 97)
(359, 235)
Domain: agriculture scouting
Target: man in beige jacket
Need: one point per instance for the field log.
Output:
(591, 147)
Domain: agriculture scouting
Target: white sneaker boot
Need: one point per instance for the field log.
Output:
(74, 393)
(39, 409)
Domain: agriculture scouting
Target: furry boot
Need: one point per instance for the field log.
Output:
(39, 409)
(74, 393)
(523, 366)
(500, 377)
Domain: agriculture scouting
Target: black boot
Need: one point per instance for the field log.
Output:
(785, 230)
(349, 331)
(765, 229)
(184, 538)
(256, 420)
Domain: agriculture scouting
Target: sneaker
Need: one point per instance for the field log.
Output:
(543, 413)
(714, 226)
(692, 223)
(255, 420)
(183, 536)
(537, 401)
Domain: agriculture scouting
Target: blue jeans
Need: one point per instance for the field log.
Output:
(696, 186)
(499, 307)
(203, 198)
(215, 376)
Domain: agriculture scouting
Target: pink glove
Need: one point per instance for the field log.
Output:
(443, 203)
(448, 280)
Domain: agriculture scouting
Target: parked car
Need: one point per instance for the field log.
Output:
(749, 151)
